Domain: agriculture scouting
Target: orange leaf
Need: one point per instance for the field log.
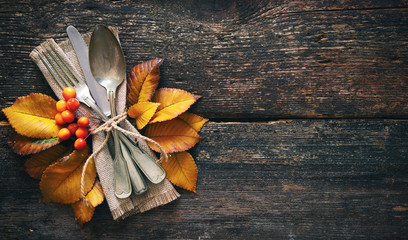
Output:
(174, 135)
(195, 121)
(33, 116)
(181, 170)
(24, 145)
(142, 81)
(36, 165)
(173, 102)
(61, 182)
(143, 112)
(83, 212)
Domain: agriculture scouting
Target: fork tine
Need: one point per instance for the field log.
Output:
(68, 78)
(52, 66)
(73, 73)
(61, 82)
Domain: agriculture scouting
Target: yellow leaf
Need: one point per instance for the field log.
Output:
(174, 135)
(61, 182)
(83, 212)
(36, 165)
(24, 145)
(142, 81)
(173, 102)
(143, 112)
(195, 121)
(33, 116)
(95, 196)
(181, 170)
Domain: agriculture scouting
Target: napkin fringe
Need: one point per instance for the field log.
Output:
(144, 206)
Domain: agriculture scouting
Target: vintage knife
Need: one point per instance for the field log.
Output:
(81, 49)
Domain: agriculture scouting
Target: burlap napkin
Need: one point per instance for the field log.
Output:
(157, 194)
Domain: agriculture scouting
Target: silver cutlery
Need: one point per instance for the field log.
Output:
(81, 50)
(108, 66)
(150, 168)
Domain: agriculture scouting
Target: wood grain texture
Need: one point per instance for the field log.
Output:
(309, 179)
(250, 59)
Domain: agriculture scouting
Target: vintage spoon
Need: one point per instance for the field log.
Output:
(150, 168)
(108, 66)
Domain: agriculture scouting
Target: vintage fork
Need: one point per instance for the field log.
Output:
(68, 77)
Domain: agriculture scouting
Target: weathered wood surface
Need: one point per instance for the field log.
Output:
(337, 179)
(254, 59)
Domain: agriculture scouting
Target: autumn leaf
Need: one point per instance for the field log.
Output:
(36, 165)
(143, 112)
(181, 170)
(61, 182)
(173, 102)
(195, 121)
(142, 81)
(174, 135)
(95, 196)
(83, 212)
(33, 116)
(24, 145)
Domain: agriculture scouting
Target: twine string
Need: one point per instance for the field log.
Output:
(108, 126)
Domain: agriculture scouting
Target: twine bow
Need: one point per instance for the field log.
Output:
(108, 126)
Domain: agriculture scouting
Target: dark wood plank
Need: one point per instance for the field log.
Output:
(309, 179)
(264, 59)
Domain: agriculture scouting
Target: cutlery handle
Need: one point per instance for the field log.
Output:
(138, 183)
(123, 189)
(121, 178)
(150, 168)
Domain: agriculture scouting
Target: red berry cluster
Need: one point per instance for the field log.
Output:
(66, 115)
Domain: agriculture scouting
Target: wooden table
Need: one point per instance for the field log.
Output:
(308, 102)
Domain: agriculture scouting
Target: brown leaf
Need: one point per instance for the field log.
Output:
(33, 116)
(181, 170)
(83, 212)
(143, 112)
(195, 121)
(61, 182)
(36, 165)
(142, 81)
(24, 145)
(174, 135)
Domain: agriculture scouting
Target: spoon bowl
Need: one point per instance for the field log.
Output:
(106, 58)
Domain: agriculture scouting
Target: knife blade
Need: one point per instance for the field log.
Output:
(81, 49)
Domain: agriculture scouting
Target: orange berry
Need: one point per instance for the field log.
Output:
(61, 105)
(64, 134)
(81, 132)
(68, 93)
(68, 116)
(72, 104)
(79, 144)
(83, 122)
(58, 119)
(72, 128)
